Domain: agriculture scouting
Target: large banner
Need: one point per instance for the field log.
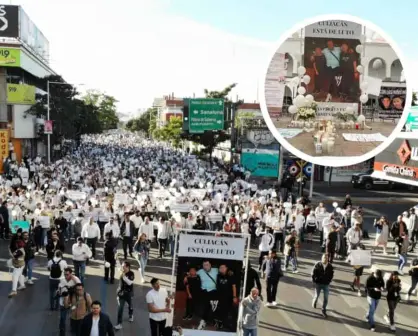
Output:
(391, 102)
(208, 284)
(261, 162)
(331, 60)
(9, 21)
(9, 57)
(32, 36)
(21, 94)
(275, 84)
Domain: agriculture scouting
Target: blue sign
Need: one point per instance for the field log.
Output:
(261, 163)
(25, 226)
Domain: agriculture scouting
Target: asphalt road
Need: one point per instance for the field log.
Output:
(28, 314)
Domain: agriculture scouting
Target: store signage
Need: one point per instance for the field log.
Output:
(399, 170)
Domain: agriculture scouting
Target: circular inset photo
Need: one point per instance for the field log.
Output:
(335, 91)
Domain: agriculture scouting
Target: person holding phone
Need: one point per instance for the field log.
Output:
(374, 287)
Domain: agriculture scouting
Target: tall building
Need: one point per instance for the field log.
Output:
(24, 55)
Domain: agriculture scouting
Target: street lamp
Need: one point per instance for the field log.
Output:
(49, 110)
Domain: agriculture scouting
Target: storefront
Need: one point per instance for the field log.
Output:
(399, 162)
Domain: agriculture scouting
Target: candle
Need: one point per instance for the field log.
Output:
(357, 126)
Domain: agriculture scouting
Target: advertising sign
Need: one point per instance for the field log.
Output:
(331, 60)
(4, 143)
(9, 57)
(391, 102)
(208, 282)
(48, 127)
(9, 21)
(21, 94)
(32, 36)
(206, 115)
(261, 162)
(399, 160)
(412, 121)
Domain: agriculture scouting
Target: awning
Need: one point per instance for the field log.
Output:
(384, 176)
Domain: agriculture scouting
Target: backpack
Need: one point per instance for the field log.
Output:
(56, 271)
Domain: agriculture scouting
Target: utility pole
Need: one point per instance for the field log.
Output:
(232, 141)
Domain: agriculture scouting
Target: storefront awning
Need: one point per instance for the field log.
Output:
(384, 176)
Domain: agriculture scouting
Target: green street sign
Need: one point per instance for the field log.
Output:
(206, 114)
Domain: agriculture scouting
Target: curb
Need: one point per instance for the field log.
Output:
(367, 200)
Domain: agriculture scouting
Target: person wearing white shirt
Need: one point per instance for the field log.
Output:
(354, 235)
(66, 283)
(91, 232)
(326, 226)
(112, 226)
(320, 209)
(162, 236)
(137, 220)
(104, 216)
(148, 229)
(311, 225)
(97, 322)
(81, 252)
(158, 303)
(300, 224)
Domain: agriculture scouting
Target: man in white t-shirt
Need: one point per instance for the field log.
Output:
(158, 306)
(65, 286)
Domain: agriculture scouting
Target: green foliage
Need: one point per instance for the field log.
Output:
(223, 94)
(146, 122)
(71, 116)
(170, 132)
(105, 106)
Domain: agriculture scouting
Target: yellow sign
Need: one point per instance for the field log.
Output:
(21, 94)
(4, 143)
(9, 57)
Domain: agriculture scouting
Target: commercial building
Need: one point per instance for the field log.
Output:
(24, 54)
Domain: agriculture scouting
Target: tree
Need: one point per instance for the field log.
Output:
(414, 99)
(170, 132)
(106, 107)
(71, 116)
(146, 122)
(210, 139)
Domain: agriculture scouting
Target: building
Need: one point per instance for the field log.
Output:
(24, 54)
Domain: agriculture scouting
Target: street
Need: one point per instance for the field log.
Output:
(294, 316)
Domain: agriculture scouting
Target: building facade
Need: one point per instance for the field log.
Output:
(24, 54)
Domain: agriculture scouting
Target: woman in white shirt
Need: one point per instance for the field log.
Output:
(162, 236)
(311, 225)
(320, 209)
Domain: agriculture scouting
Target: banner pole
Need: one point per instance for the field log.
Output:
(173, 270)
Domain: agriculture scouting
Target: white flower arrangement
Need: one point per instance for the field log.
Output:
(306, 112)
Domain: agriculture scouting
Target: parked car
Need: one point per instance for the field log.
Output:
(366, 181)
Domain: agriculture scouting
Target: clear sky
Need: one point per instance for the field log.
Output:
(140, 49)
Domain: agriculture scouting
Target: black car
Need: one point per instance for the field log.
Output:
(367, 181)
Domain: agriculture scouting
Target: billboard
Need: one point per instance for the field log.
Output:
(9, 57)
(21, 94)
(331, 60)
(391, 102)
(399, 160)
(31, 36)
(208, 284)
(261, 162)
(9, 21)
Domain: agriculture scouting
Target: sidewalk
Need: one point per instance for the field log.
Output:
(365, 200)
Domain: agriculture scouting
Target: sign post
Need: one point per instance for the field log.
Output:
(206, 114)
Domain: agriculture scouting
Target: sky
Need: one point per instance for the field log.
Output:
(136, 50)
